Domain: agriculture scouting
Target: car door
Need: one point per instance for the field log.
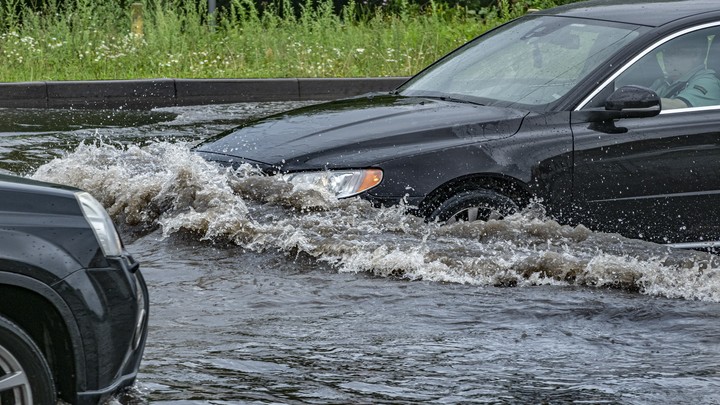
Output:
(654, 178)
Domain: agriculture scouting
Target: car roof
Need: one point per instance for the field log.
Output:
(641, 12)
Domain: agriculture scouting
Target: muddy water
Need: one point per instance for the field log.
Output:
(262, 292)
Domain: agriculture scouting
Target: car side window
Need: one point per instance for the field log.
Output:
(684, 71)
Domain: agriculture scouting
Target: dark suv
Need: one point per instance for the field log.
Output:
(73, 304)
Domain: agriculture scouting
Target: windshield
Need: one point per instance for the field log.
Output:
(532, 61)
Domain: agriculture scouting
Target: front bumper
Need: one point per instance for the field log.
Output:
(111, 310)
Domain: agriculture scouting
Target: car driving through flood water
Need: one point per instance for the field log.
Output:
(579, 107)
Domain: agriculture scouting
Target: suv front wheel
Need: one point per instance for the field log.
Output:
(25, 377)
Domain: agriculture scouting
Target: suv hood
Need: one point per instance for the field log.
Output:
(359, 132)
(18, 194)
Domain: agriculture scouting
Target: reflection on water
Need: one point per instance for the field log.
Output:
(265, 292)
(40, 121)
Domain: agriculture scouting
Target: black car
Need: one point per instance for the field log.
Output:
(571, 106)
(73, 303)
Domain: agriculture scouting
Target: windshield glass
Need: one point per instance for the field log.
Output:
(532, 61)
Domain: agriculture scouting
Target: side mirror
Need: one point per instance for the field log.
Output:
(634, 102)
(626, 102)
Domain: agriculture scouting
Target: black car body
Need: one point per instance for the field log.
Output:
(554, 106)
(73, 303)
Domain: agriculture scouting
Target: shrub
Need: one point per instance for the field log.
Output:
(91, 39)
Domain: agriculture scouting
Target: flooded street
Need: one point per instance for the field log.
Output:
(265, 293)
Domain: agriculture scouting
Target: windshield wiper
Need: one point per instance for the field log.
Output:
(436, 96)
(455, 100)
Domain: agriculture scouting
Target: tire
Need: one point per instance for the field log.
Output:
(25, 377)
(473, 205)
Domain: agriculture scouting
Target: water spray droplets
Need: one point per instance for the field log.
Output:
(164, 185)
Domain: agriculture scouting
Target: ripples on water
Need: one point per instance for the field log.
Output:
(263, 291)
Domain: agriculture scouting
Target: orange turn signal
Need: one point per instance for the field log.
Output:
(372, 178)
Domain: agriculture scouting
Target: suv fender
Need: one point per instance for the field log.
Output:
(44, 291)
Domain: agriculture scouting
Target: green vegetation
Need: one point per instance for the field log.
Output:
(92, 39)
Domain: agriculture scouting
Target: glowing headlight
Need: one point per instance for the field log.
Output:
(342, 183)
(101, 224)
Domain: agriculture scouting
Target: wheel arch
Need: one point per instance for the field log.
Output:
(508, 186)
(56, 328)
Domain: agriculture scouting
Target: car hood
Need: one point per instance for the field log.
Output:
(359, 132)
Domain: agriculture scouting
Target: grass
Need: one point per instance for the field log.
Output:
(92, 40)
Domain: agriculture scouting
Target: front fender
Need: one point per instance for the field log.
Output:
(538, 156)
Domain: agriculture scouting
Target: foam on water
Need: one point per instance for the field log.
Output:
(165, 185)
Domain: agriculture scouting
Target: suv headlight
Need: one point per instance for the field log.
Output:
(101, 224)
(342, 183)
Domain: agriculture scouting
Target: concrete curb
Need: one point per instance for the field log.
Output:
(150, 93)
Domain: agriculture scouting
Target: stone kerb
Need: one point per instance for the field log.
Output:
(150, 93)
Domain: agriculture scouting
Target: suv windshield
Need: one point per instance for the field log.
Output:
(532, 61)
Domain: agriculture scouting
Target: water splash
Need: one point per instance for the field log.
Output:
(164, 185)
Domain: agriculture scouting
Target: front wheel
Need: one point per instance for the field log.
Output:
(25, 377)
(473, 205)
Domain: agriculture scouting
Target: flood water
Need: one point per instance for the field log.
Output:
(262, 293)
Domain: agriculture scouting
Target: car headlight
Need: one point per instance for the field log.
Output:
(101, 224)
(342, 183)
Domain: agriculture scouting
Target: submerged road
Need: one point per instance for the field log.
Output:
(256, 299)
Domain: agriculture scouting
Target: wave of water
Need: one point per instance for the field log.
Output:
(164, 185)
